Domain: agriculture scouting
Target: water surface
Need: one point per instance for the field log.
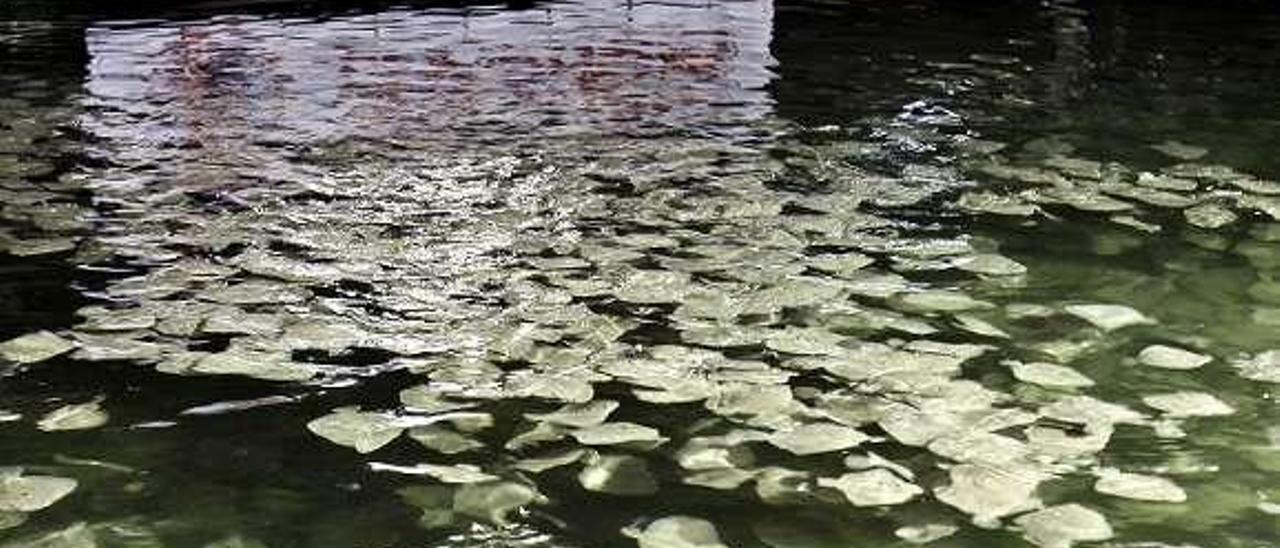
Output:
(566, 273)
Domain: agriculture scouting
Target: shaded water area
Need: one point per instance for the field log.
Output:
(615, 273)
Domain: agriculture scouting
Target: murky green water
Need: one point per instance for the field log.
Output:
(681, 274)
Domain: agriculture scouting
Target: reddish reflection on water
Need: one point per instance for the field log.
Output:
(606, 66)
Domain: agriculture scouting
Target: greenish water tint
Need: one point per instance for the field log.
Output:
(672, 274)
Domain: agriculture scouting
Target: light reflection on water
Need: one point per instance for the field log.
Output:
(602, 65)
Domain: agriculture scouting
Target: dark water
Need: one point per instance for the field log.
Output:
(755, 228)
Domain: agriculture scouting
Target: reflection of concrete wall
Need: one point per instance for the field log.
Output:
(414, 73)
